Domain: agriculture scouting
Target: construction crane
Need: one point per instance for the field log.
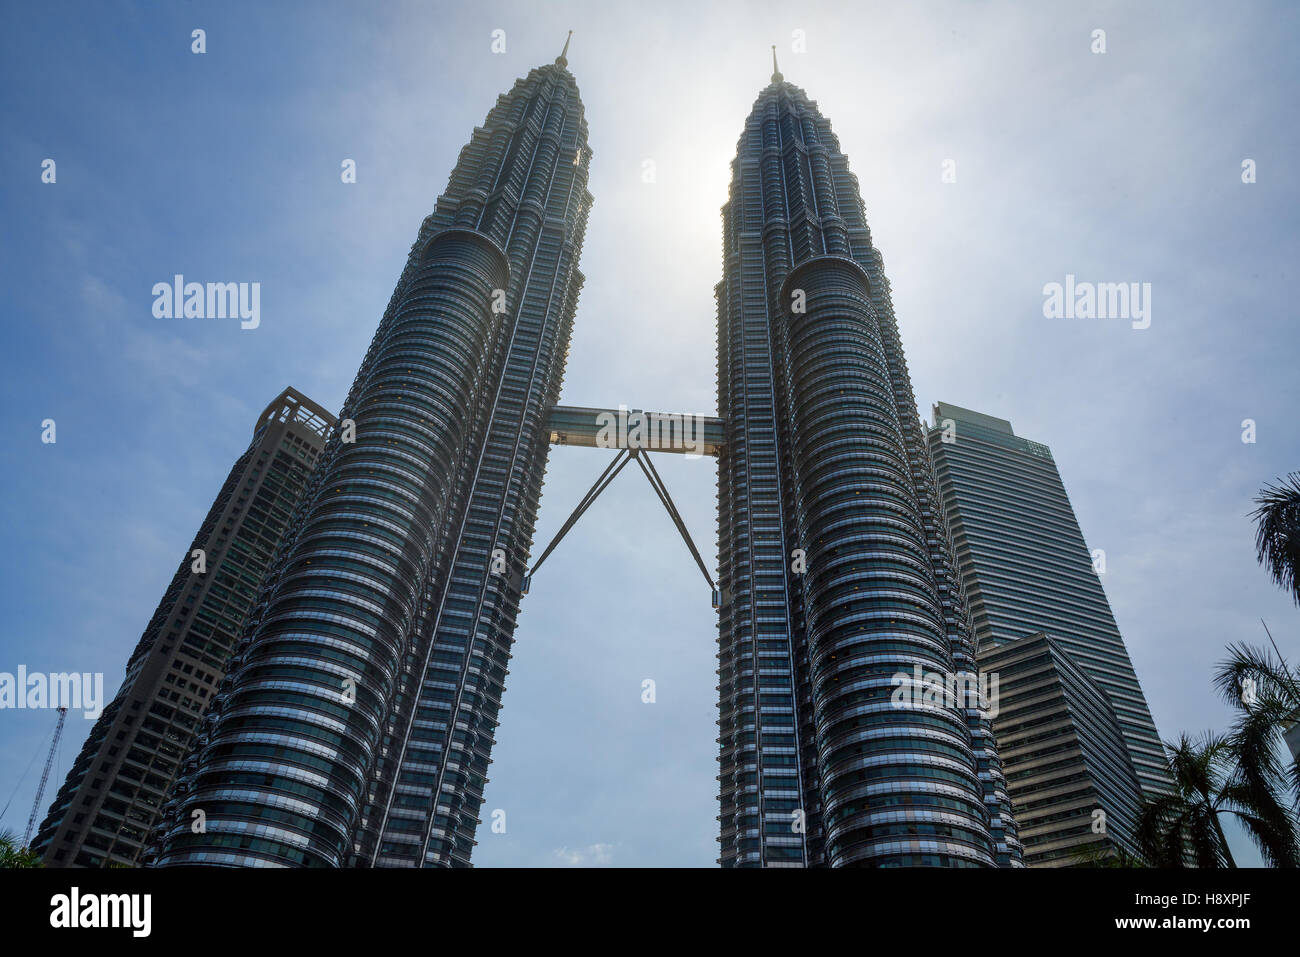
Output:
(45, 776)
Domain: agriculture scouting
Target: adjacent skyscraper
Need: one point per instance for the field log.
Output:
(1026, 566)
(1072, 784)
(112, 796)
(357, 725)
(836, 570)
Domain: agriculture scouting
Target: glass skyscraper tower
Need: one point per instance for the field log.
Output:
(357, 723)
(1027, 569)
(837, 574)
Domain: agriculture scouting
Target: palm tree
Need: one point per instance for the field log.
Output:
(1277, 532)
(11, 855)
(1266, 693)
(1241, 773)
(1209, 783)
(1106, 856)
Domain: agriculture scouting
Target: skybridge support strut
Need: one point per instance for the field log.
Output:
(652, 475)
(603, 482)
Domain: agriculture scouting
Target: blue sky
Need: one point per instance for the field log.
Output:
(1119, 167)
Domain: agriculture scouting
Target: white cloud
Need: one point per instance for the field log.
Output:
(593, 855)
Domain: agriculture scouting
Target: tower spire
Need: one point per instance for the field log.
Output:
(776, 71)
(563, 58)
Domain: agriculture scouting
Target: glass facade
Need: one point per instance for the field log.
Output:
(1072, 784)
(826, 466)
(1027, 569)
(357, 727)
(111, 799)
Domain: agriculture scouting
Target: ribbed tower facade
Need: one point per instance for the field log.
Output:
(357, 723)
(837, 572)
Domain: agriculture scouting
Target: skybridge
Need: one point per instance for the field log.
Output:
(633, 432)
(623, 428)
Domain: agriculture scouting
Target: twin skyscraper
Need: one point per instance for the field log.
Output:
(359, 705)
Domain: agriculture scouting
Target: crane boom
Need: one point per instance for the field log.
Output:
(45, 776)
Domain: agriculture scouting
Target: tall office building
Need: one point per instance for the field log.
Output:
(1072, 784)
(120, 780)
(1026, 567)
(357, 724)
(826, 464)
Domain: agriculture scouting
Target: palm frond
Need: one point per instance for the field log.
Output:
(1161, 824)
(1273, 680)
(12, 855)
(1267, 823)
(1277, 532)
